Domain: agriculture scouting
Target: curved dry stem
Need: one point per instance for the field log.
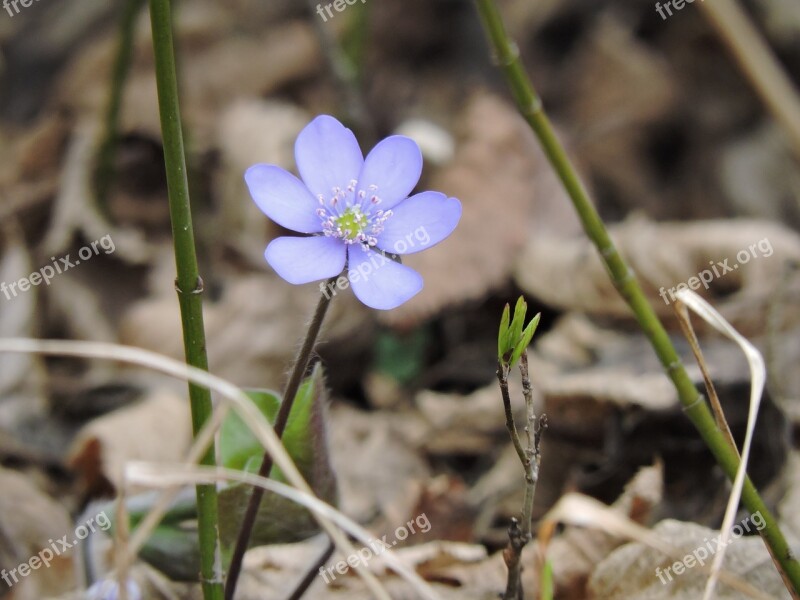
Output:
(240, 403)
(758, 378)
(163, 475)
(758, 63)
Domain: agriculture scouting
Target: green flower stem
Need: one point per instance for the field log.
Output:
(295, 379)
(106, 154)
(695, 407)
(188, 284)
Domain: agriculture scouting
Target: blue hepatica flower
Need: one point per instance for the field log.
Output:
(357, 210)
(109, 590)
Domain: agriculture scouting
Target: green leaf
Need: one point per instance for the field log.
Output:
(305, 439)
(299, 432)
(502, 336)
(253, 464)
(174, 550)
(516, 324)
(173, 547)
(402, 356)
(546, 587)
(237, 443)
(240, 449)
(525, 341)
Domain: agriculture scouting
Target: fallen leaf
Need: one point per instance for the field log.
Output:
(156, 429)
(29, 522)
(492, 175)
(631, 572)
(663, 256)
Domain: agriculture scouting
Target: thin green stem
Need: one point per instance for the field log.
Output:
(295, 379)
(530, 457)
(502, 378)
(188, 284)
(530, 105)
(512, 556)
(106, 154)
(532, 453)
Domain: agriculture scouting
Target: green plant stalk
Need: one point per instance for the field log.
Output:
(695, 407)
(281, 419)
(188, 284)
(106, 153)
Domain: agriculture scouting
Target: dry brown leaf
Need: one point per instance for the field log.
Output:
(251, 330)
(619, 87)
(466, 424)
(21, 376)
(630, 573)
(583, 371)
(213, 71)
(759, 175)
(378, 470)
(493, 176)
(156, 429)
(619, 81)
(74, 209)
(29, 521)
(568, 274)
(252, 131)
(789, 507)
(575, 553)
(270, 571)
(40, 149)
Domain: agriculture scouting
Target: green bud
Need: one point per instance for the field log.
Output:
(502, 337)
(518, 321)
(525, 341)
(512, 340)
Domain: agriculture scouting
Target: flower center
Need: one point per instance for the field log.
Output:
(352, 217)
(352, 222)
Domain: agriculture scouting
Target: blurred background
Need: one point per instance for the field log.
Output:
(685, 161)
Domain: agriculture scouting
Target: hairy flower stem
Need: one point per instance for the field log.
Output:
(188, 284)
(312, 572)
(694, 405)
(295, 379)
(106, 153)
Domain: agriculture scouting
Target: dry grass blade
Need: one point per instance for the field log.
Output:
(240, 402)
(758, 377)
(161, 506)
(161, 475)
(758, 63)
(686, 326)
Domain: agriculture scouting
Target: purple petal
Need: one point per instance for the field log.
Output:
(327, 156)
(109, 590)
(394, 165)
(380, 282)
(283, 198)
(420, 222)
(301, 260)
